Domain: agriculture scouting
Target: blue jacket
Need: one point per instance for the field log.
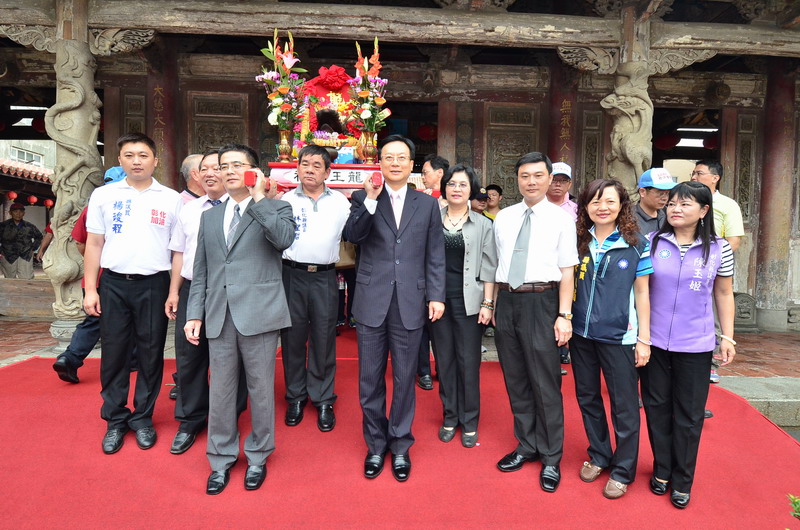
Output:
(602, 307)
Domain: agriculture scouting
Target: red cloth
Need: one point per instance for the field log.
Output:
(48, 229)
(329, 80)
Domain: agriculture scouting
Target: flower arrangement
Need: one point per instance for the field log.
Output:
(368, 91)
(283, 84)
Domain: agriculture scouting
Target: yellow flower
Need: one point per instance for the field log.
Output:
(379, 100)
(363, 93)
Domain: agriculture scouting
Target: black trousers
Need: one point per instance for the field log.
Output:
(374, 344)
(191, 364)
(132, 315)
(313, 299)
(531, 366)
(674, 393)
(458, 358)
(616, 361)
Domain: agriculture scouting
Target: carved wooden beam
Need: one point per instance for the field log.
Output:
(101, 41)
(789, 17)
(647, 8)
(394, 24)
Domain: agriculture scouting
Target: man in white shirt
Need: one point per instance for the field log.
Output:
(537, 252)
(191, 361)
(309, 278)
(129, 226)
(191, 174)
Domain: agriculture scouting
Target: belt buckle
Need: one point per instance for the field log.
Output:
(312, 268)
(129, 277)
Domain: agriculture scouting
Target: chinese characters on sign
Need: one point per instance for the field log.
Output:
(565, 135)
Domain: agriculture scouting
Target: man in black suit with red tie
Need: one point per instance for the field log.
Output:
(400, 271)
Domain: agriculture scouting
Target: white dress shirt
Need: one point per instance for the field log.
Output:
(136, 225)
(319, 226)
(396, 198)
(553, 241)
(229, 206)
(184, 238)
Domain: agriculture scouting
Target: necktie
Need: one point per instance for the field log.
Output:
(397, 207)
(519, 259)
(215, 202)
(233, 225)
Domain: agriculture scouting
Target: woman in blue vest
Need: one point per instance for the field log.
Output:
(610, 329)
(693, 271)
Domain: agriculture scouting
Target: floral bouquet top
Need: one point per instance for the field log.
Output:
(283, 84)
(368, 91)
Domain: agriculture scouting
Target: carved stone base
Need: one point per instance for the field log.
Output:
(62, 331)
(773, 319)
(745, 316)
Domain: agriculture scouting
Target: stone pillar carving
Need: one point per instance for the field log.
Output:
(631, 137)
(73, 123)
(630, 105)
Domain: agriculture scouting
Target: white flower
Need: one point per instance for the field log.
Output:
(366, 114)
(277, 102)
(365, 106)
(273, 118)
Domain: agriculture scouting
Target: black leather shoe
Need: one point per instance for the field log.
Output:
(513, 461)
(549, 478)
(469, 440)
(65, 371)
(401, 467)
(113, 440)
(182, 442)
(173, 392)
(373, 465)
(146, 437)
(326, 420)
(446, 435)
(425, 382)
(658, 487)
(294, 413)
(254, 477)
(217, 481)
(679, 500)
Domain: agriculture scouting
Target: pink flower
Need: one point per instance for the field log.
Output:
(289, 60)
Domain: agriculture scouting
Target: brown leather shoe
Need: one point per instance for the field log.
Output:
(590, 472)
(614, 489)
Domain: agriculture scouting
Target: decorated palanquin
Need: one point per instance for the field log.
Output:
(330, 91)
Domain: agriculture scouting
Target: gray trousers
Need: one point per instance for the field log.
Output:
(257, 353)
(22, 269)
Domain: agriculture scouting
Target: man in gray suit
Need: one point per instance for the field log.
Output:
(401, 268)
(237, 291)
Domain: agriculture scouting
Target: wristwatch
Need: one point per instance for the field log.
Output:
(568, 316)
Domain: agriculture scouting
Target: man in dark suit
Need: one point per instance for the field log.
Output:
(401, 268)
(237, 293)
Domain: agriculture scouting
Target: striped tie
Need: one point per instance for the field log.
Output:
(234, 224)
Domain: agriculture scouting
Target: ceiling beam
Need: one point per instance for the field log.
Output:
(402, 25)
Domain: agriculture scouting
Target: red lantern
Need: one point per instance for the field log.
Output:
(48, 203)
(712, 142)
(12, 195)
(38, 125)
(427, 133)
(33, 200)
(666, 142)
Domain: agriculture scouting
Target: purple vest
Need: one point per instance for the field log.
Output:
(681, 296)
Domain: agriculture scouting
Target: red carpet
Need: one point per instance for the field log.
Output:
(55, 474)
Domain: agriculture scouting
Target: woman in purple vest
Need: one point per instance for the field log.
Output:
(610, 329)
(693, 270)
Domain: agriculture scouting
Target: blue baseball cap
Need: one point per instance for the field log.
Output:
(658, 178)
(114, 174)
